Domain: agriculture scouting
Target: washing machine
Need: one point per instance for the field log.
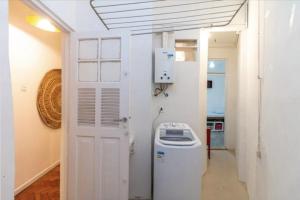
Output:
(177, 163)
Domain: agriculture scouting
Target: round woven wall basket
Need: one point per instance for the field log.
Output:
(49, 99)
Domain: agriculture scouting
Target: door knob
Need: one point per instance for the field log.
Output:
(124, 120)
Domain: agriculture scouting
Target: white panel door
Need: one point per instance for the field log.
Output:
(98, 151)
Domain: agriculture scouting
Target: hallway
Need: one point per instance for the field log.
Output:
(221, 179)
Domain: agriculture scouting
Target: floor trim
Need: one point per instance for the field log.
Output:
(139, 199)
(35, 178)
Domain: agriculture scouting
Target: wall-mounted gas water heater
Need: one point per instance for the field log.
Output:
(164, 65)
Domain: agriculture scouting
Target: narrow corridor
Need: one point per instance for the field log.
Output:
(221, 179)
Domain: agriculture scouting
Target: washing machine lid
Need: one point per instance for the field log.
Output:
(177, 137)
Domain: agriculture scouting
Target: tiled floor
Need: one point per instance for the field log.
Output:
(221, 180)
(46, 188)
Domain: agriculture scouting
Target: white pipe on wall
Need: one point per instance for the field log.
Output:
(165, 38)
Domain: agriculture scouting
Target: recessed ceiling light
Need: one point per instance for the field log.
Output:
(212, 65)
(42, 23)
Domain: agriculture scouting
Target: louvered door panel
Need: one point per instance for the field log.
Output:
(110, 107)
(99, 141)
(86, 107)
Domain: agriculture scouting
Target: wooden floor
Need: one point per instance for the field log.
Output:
(46, 188)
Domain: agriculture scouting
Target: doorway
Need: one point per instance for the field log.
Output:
(216, 102)
(222, 71)
(222, 88)
(36, 59)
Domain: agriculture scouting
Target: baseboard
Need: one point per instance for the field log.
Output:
(35, 178)
(139, 199)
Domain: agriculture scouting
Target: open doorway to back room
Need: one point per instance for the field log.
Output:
(216, 102)
(222, 89)
(221, 178)
(36, 61)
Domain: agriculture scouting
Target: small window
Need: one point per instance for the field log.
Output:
(186, 50)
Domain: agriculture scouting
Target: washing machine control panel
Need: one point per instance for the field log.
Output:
(173, 125)
(175, 132)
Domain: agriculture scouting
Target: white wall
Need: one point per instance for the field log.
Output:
(278, 171)
(33, 52)
(248, 101)
(6, 114)
(141, 114)
(230, 56)
(241, 120)
(187, 96)
(145, 107)
(77, 14)
(202, 94)
(276, 175)
(65, 10)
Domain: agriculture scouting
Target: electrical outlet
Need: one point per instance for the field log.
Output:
(161, 110)
(23, 88)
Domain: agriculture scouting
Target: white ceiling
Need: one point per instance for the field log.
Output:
(223, 39)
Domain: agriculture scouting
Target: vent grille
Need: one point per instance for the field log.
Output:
(86, 106)
(110, 107)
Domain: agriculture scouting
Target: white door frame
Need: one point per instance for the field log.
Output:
(6, 118)
(8, 191)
